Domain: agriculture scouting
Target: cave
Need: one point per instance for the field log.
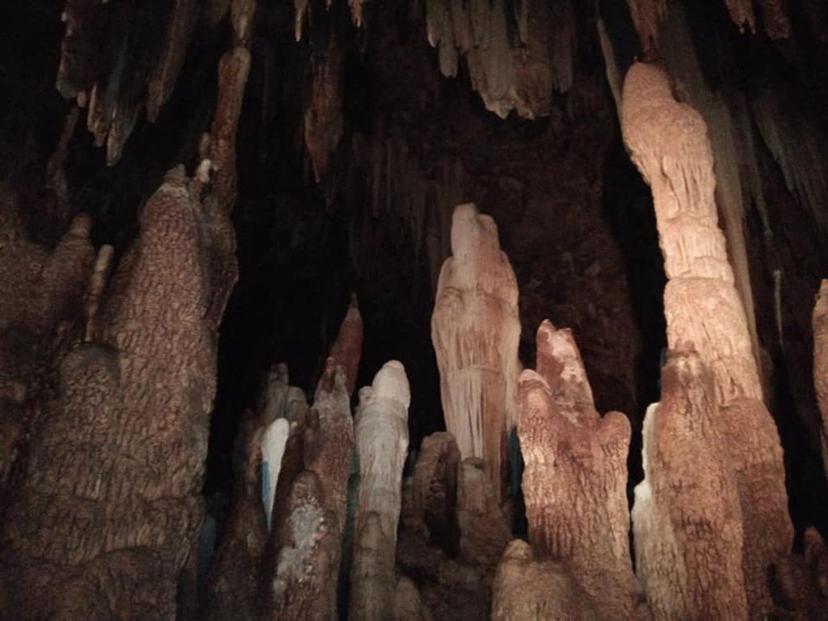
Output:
(406, 311)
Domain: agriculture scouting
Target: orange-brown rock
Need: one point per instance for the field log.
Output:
(688, 526)
(347, 348)
(113, 493)
(434, 489)
(800, 582)
(475, 330)
(542, 589)
(575, 476)
(484, 529)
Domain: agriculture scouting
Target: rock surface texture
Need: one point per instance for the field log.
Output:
(820, 321)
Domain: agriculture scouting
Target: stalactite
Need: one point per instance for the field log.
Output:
(686, 517)
(541, 589)
(381, 432)
(475, 330)
(508, 75)
(323, 114)
(741, 12)
(575, 477)
(347, 348)
(137, 504)
(668, 142)
(177, 40)
(647, 16)
(820, 323)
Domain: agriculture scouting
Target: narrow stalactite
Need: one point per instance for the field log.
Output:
(137, 521)
(323, 114)
(575, 477)
(509, 75)
(381, 432)
(163, 78)
(668, 142)
(820, 323)
(475, 330)
(687, 518)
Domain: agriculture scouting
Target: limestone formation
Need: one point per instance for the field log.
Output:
(381, 432)
(800, 582)
(526, 587)
(575, 476)
(434, 489)
(273, 443)
(347, 348)
(820, 321)
(475, 330)
(484, 529)
(126, 462)
(669, 144)
(408, 606)
(687, 518)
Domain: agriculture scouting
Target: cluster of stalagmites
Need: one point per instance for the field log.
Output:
(517, 73)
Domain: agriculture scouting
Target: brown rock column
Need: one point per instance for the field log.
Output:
(475, 329)
(575, 477)
(381, 431)
(434, 489)
(347, 348)
(112, 504)
(687, 518)
(669, 144)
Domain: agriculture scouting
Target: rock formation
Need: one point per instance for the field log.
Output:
(381, 432)
(273, 442)
(800, 582)
(484, 529)
(407, 603)
(668, 143)
(575, 476)
(126, 462)
(540, 589)
(820, 322)
(347, 348)
(688, 526)
(475, 330)
(434, 489)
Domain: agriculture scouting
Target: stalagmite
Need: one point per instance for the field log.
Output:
(233, 582)
(303, 587)
(273, 444)
(668, 142)
(347, 348)
(407, 603)
(126, 462)
(575, 476)
(381, 432)
(475, 330)
(541, 589)
(434, 489)
(801, 581)
(687, 519)
(484, 529)
(820, 323)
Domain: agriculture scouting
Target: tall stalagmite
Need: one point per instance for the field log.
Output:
(347, 348)
(121, 528)
(669, 144)
(381, 432)
(687, 519)
(821, 363)
(575, 478)
(475, 330)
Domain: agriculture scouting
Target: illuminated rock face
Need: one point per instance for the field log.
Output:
(127, 462)
(669, 144)
(687, 518)
(475, 330)
(820, 321)
(381, 432)
(575, 476)
(539, 589)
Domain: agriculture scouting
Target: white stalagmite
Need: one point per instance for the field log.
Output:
(475, 330)
(273, 449)
(381, 434)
